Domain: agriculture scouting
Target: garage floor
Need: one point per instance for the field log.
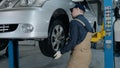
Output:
(31, 57)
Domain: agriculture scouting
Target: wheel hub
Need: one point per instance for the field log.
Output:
(57, 37)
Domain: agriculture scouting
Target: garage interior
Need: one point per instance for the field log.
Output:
(104, 18)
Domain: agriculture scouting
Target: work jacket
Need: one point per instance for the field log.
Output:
(77, 33)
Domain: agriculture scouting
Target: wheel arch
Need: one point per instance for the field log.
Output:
(61, 15)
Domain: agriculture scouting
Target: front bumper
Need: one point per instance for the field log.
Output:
(12, 20)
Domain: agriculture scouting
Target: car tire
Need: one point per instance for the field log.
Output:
(6, 52)
(56, 39)
(117, 47)
(3, 44)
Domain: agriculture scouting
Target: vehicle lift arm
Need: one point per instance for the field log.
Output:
(97, 36)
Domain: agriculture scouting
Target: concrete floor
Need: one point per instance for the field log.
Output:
(31, 57)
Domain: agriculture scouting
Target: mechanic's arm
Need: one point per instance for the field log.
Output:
(73, 37)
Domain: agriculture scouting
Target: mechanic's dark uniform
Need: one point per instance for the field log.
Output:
(79, 43)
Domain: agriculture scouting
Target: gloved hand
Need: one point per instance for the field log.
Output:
(57, 55)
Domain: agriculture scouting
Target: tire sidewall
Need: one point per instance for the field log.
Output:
(3, 44)
(46, 45)
(55, 23)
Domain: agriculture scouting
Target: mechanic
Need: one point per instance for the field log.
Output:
(80, 36)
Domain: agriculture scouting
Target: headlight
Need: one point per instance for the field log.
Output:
(116, 0)
(27, 28)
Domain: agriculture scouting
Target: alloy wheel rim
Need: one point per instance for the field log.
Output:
(57, 37)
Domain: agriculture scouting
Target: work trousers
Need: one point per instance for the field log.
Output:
(81, 54)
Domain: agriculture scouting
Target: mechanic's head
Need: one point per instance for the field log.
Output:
(77, 10)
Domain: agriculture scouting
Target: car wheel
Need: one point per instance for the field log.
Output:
(6, 52)
(3, 44)
(117, 47)
(56, 39)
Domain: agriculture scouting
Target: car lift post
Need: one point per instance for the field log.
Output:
(13, 54)
(108, 41)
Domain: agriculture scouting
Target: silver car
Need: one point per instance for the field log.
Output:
(44, 20)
